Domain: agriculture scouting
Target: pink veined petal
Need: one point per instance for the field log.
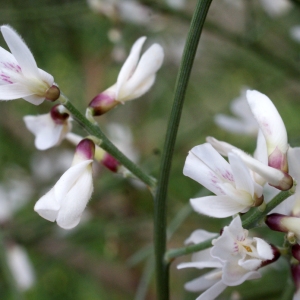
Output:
(47, 206)
(213, 292)
(269, 120)
(233, 274)
(14, 91)
(148, 65)
(224, 246)
(198, 171)
(202, 283)
(214, 161)
(217, 206)
(20, 51)
(75, 201)
(130, 64)
(6, 58)
(69, 178)
(199, 236)
(264, 250)
(241, 174)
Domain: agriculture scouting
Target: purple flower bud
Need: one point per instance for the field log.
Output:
(58, 116)
(102, 103)
(110, 162)
(85, 149)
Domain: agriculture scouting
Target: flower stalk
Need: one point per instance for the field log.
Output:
(94, 129)
(160, 211)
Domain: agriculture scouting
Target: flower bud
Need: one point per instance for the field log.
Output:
(102, 103)
(296, 251)
(296, 275)
(52, 93)
(58, 114)
(85, 150)
(283, 223)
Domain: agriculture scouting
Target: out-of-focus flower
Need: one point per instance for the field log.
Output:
(126, 10)
(295, 33)
(20, 267)
(244, 122)
(296, 278)
(276, 8)
(176, 4)
(235, 256)
(19, 75)
(66, 201)
(272, 128)
(136, 77)
(235, 189)
(49, 129)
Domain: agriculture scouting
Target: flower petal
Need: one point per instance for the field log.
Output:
(213, 292)
(75, 202)
(241, 174)
(199, 236)
(217, 206)
(20, 51)
(269, 120)
(264, 250)
(130, 64)
(47, 206)
(148, 65)
(69, 178)
(14, 91)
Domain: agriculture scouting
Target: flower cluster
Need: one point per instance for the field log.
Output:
(21, 78)
(239, 181)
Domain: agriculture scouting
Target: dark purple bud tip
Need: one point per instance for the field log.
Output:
(86, 149)
(102, 103)
(274, 222)
(110, 162)
(296, 251)
(52, 93)
(276, 255)
(296, 275)
(57, 116)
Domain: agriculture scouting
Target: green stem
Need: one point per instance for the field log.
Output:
(14, 290)
(173, 253)
(160, 210)
(252, 220)
(106, 144)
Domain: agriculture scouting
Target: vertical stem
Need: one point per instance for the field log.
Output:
(160, 209)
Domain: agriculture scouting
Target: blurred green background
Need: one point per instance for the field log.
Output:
(109, 255)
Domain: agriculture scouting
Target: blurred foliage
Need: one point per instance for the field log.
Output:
(241, 46)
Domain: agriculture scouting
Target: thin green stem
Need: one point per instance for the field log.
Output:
(106, 144)
(173, 253)
(160, 210)
(11, 282)
(253, 220)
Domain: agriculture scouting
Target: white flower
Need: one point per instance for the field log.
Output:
(276, 8)
(49, 129)
(20, 267)
(235, 257)
(235, 189)
(241, 255)
(19, 75)
(136, 77)
(272, 128)
(244, 122)
(66, 201)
